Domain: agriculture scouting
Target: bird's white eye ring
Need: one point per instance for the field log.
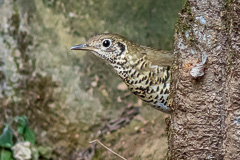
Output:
(106, 43)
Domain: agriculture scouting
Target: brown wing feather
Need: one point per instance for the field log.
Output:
(159, 57)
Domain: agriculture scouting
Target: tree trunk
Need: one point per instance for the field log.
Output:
(205, 123)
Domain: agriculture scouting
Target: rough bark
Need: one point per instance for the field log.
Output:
(205, 123)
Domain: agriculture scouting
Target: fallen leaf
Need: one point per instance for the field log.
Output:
(22, 151)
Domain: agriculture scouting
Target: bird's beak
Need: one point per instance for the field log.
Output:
(81, 47)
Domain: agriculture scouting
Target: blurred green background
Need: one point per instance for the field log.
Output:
(67, 96)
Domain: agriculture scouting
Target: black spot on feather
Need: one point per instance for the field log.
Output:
(122, 47)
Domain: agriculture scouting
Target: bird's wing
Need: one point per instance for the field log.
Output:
(159, 57)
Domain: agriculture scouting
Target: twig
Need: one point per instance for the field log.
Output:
(5, 108)
(108, 149)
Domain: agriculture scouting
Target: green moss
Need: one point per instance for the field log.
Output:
(186, 7)
(183, 23)
(14, 22)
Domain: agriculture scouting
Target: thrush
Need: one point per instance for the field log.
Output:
(145, 70)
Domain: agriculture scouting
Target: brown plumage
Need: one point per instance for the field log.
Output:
(145, 70)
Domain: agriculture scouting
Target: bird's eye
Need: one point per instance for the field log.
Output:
(106, 43)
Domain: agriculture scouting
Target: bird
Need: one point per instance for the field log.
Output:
(146, 71)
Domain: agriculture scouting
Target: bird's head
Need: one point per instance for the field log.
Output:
(109, 47)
